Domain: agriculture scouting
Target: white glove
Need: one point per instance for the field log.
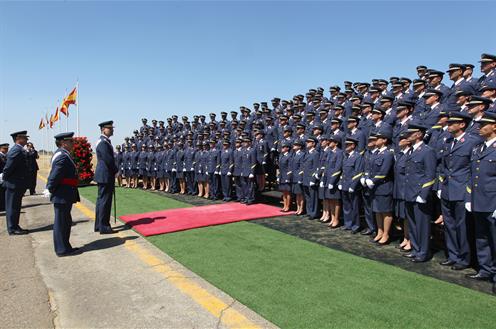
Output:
(340, 187)
(277, 180)
(272, 149)
(438, 193)
(494, 214)
(468, 207)
(250, 176)
(263, 162)
(362, 181)
(174, 170)
(369, 183)
(1, 177)
(192, 169)
(312, 183)
(229, 174)
(330, 186)
(199, 171)
(184, 169)
(207, 174)
(46, 193)
(351, 190)
(321, 184)
(420, 200)
(299, 182)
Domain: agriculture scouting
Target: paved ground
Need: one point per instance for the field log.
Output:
(118, 281)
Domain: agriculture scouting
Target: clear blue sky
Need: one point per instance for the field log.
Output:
(156, 59)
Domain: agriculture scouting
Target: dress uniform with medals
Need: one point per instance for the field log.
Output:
(105, 177)
(14, 178)
(62, 189)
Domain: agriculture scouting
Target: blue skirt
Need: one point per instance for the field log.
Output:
(327, 194)
(297, 188)
(284, 187)
(399, 208)
(382, 203)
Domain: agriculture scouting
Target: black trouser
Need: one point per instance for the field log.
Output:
(13, 202)
(62, 228)
(226, 186)
(32, 182)
(248, 189)
(2, 199)
(103, 206)
(311, 195)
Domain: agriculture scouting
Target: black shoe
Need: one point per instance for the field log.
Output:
(418, 260)
(250, 202)
(410, 255)
(366, 232)
(447, 262)
(381, 244)
(355, 231)
(310, 218)
(346, 228)
(72, 252)
(459, 267)
(18, 232)
(108, 230)
(478, 277)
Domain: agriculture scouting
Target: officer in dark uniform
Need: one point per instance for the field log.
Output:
(248, 172)
(62, 189)
(105, 177)
(453, 179)
(14, 178)
(311, 168)
(481, 199)
(420, 176)
(226, 161)
(32, 156)
(4, 148)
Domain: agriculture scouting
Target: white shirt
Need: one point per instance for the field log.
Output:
(416, 146)
(490, 142)
(457, 82)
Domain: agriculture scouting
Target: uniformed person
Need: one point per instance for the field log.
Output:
(297, 175)
(105, 178)
(248, 172)
(481, 199)
(32, 156)
(420, 176)
(399, 189)
(4, 148)
(330, 178)
(226, 161)
(366, 192)
(62, 189)
(310, 167)
(454, 175)
(284, 175)
(349, 185)
(14, 179)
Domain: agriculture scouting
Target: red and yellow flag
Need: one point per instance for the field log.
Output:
(51, 120)
(71, 98)
(42, 124)
(56, 116)
(64, 109)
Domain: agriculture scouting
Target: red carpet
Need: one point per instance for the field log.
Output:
(173, 220)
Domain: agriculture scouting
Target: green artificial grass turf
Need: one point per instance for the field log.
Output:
(299, 284)
(131, 201)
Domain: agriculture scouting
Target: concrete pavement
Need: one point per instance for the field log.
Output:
(118, 281)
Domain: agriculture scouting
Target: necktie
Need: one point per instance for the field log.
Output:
(483, 148)
(454, 143)
(410, 151)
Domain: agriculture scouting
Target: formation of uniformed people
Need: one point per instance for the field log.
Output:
(397, 152)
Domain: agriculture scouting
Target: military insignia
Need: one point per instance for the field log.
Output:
(462, 140)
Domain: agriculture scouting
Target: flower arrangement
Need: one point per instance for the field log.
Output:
(82, 155)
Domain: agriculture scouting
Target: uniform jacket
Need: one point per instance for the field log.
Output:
(482, 185)
(105, 166)
(16, 168)
(420, 173)
(63, 167)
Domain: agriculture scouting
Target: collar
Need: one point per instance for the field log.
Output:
(382, 149)
(350, 154)
(490, 142)
(417, 145)
(457, 82)
(460, 137)
(433, 106)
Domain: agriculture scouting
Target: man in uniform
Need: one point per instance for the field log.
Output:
(105, 177)
(62, 189)
(453, 178)
(420, 176)
(4, 148)
(15, 182)
(481, 199)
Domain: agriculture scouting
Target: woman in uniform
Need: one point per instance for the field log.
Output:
(142, 165)
(297, 175)
(332, 195)
(284, 176)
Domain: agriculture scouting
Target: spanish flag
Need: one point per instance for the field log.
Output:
(71, 98)
(42, 124)
(56, 116)
(64, 109)
(51, 120)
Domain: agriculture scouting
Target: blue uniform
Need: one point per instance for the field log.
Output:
(399, 184)
(3, 160)
(248, 169)
(454, 178)
(366, 193)
(226, 161)
(311, 167)
(349, 183)
(381, 173)
(332, 173)
(238, 163)
(62, 184)
(105, 177)
(15, 183)
(420, 176)
(482, 195)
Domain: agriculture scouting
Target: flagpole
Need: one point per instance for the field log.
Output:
(77, 107)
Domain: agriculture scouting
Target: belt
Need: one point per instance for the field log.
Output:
(69, 181)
